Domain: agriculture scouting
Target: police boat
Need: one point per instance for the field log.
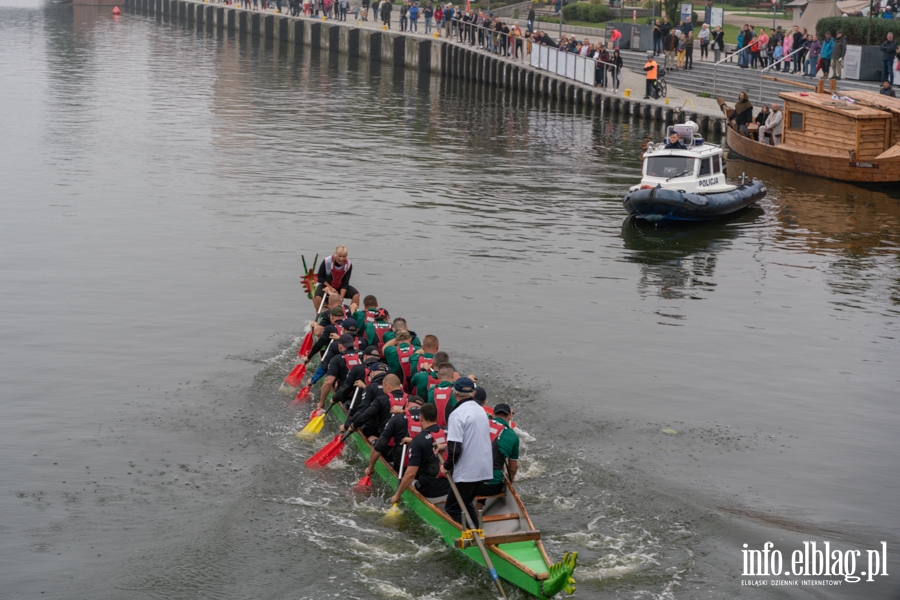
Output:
(687, 182)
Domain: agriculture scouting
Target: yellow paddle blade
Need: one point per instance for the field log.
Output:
(313, 427)
(394, 513)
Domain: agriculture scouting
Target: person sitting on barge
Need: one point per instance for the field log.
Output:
(505, 449)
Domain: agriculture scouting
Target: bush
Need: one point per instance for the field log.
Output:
(741, 3)
(583, 11)
(856, 29)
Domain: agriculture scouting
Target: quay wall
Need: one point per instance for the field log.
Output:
(435, 55)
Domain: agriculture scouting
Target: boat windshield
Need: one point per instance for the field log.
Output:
(669, 166)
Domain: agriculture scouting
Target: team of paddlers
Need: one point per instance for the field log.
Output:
(406, 397)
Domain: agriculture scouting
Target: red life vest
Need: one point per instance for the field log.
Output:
(380, 330)
(495, 428)
(337, 273)
(351, 359)
(441, 398)
(370, 316)
(440, 437)
(425, 364)
(413, 424)
(433, 379)
(405, 355)
(340, 330)
(401, 401)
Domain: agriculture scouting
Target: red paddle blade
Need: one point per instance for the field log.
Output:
(302, 395)
(294, 378)
(364, 482)
(328, 453)
(306, 346)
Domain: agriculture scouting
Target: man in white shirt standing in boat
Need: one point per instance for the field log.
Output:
(469, 455)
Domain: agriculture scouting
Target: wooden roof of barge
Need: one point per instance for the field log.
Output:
(824, 102)
(875, 99)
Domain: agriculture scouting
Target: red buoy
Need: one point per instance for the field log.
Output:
(116, 10)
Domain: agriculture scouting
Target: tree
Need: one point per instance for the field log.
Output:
(673, 10)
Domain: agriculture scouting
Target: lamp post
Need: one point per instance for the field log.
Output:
(560, 18)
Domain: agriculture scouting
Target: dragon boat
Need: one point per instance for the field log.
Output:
(514, 544)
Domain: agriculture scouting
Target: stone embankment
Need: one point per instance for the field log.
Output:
(428, 54)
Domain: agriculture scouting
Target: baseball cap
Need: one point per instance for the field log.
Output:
(371, 354)
(502, 408)
(480, 395)
(381, 314)
(349, 324)
(346, 340)
(416, 399)
(464, 385)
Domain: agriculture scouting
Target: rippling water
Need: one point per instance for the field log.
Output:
(159, 185)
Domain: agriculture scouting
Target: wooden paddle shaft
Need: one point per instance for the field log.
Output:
(478, 540)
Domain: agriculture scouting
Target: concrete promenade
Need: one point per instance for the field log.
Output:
(437, 55)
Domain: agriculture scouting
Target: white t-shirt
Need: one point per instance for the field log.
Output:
(468, 425)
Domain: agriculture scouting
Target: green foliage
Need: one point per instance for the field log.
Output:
(703, 95)
(673, 10)
(584, 11)
(856, 28)
(741, 3)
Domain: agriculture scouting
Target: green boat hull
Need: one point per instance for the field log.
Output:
(522, 563)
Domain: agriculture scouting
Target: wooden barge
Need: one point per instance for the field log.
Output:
(855, 138)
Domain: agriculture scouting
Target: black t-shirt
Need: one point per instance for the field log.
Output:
(396, 429)
(421, 454)
(323, 341)
(337, 366)
(346, 390)
(373, 419)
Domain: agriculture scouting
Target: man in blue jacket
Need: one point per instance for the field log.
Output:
(888, 53)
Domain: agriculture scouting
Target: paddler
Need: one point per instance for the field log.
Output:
(427, 376)
(469, 457)
(441, 394)
(334, 278)
(367, 313)
(371, 388)
(400, 429)
(329, 332)
(399, 354)
(339, 366)
(424, 466)
(398, 325)
(372, 420)
(334, 301)
(377, 329)
(504, 449)
(357, 377)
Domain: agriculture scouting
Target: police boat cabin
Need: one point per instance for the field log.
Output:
(686, 162)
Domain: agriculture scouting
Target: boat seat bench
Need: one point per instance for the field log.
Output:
(506, 517)
(504, 538)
